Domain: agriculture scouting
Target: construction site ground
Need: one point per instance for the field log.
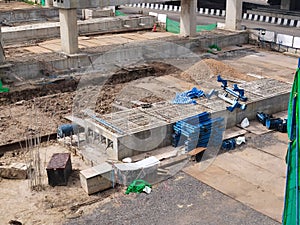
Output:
(180, 200)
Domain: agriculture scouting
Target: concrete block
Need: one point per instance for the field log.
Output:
(223, 12)
(156, 6)
(143, 5)
(201, 11)
(175, 8)
(134, 5)
(255, 17)
(14, 171)
(218, 12)
(139, 5)
(179, 9)
(151, 6)
(206, 11)
(273, 19)
(245, 16)
(285, 22)
(267, 19)
(250, 16)
(161, 7)
(292, 23)
(279, 21)
(170, 8)
(165, 7)
(261, 18)
(96, 178)
(148, 5)
(298, 24)
(212, 12)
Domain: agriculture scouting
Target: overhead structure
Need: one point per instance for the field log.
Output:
(68, 18)
(233, 14)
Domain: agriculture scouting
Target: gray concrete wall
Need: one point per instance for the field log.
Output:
(31, 70)
(15, 35)
(21, 15)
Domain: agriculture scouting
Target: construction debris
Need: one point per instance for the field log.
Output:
(14, 171)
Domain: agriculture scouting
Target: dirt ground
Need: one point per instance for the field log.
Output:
(43, 107)
(13, 5)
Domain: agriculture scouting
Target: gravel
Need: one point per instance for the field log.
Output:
(179, 200)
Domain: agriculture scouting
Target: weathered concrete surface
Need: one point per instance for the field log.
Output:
(41, 31)
(188, 18)
(68, 30)
(234, 14)
(14, 171)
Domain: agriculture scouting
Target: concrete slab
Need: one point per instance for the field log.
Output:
(244, 181)
(279, 150)
(37, 49)
(52, 47)
(257, 128)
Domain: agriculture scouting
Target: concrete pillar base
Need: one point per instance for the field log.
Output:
(188, 19)
(2, 54)
(233, 15)
(68, 30)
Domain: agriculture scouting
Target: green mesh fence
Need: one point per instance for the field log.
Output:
(174, 27)
(291, 213)
(119, 13)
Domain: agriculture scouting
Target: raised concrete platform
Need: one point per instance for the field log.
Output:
(43, 31)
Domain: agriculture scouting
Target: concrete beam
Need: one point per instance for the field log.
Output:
(68, 30)
(2, 54)
(188, 18)
(48, 3)
(233, 14)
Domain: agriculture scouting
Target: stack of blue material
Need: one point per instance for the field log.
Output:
(187, 97)
(198, 131)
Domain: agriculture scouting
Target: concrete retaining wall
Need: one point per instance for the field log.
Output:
(21, 15)
(14, 35)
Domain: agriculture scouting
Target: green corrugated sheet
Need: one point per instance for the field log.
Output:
(174, 27)
(119, 13)
(291, 205)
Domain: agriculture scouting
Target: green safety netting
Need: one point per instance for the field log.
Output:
(119, 13)
(291, 206)
(174, 27)
(3, 89)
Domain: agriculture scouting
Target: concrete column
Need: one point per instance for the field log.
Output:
(188, 18)
(288, 4)
(2, 55)
(68, 30)
(48, 3)
(233, 14)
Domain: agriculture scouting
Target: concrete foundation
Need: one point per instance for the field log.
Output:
(141, 130)
(2, 54)
(20, 34)
(188, 18)
(234, 14)
(68, 30)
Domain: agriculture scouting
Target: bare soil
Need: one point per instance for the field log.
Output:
(13, 5)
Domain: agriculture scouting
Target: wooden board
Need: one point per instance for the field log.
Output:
(234, 132)
(196, 151)
(239, 189)
(256, 127)
(279, 150)
(263, 160)
(269, 181)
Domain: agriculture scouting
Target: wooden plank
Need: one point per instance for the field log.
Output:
(256, 128)
(172, 161)
(196, 151)
(234, 132)
(239, 189)
(279, 150)
(263, 160)
(161, 153)
(269, 181)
